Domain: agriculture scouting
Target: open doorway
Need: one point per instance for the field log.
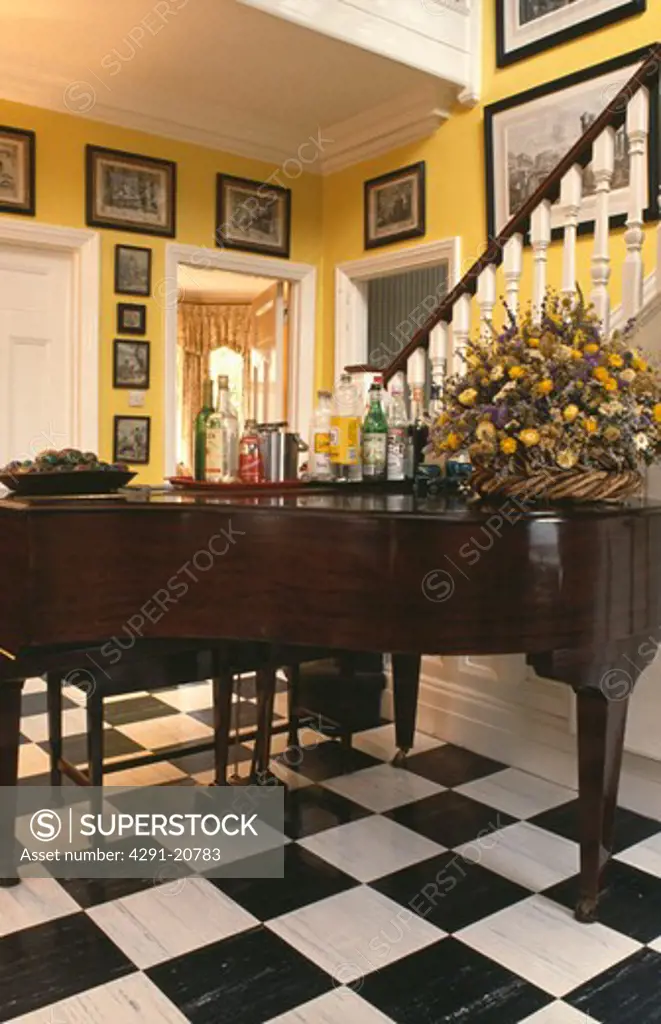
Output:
(234, 325)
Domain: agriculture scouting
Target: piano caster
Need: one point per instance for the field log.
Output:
(9, 883)
(586, 910)
(399, 760)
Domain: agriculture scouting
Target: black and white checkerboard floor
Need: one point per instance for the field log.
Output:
(440, 893)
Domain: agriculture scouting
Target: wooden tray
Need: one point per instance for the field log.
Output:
(85, 481)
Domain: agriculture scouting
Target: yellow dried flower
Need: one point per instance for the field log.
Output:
(516, 372)
(533, 342)
(591, 349)
(508, 445)
(468, 396)
(566, 459)
(485, 431)
(497, 372)
(610, 384)
(545, 386)
(611, 433)
(615, 361)
(639, 364)
(657, 413)
(452, 442)
(529, 437)
(628, 376)
(576, 353)
(601, 374)
(591, 425)
(570, 413)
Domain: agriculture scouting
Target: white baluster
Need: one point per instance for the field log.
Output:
(416, 368)
(461, 325)
(513, 268)
(633, 273)
(540, 238)
(571, 192)
(438, 351)
(486, 294)
(603, 166)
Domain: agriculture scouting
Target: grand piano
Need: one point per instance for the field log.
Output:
(578, 590)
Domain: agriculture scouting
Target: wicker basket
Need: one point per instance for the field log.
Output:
(559, 485)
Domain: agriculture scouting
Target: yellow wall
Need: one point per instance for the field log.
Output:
(455, 164)
(60, 191)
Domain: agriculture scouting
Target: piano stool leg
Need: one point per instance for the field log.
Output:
(95, 738)
(406, 684)
(265, 699)
(293, 697)
(54, 701)
(223, 686)
(10, 724)
(601, 725)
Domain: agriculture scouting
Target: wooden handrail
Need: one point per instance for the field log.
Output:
(613, 116)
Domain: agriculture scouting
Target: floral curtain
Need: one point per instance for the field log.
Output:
(202, 328)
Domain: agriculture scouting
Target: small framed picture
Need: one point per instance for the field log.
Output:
(131, 318)
(130, 364)
(132, 270)
(395, 206)
(131, 439)
(17, 171)
(130, 192)
(252, 216)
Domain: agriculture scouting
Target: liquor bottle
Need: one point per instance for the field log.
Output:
(201, 429)
(320, 438)
(419, 428)
(251, 467)
(345, 431)
(222, 438)
(375, 434)
(398, 434)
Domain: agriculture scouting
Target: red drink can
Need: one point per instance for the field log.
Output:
(251, 469)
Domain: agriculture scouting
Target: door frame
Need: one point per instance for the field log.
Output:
(351, 330)
(85, 249)
(302, 326)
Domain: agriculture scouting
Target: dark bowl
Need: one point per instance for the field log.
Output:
(85, 481)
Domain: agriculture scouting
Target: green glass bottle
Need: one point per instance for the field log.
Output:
(375, 434)
(201, 430)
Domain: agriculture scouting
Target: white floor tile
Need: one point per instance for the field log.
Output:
(558, 1013)
(166, 732)
(383, 787)
(74, 723)
(35, 685)
(156, 924)
(517, 793)
(32, 760)
(645, 855)
(146, 775)
(526, 854)
(34, 901)
(541, 941)
(131, 1000)
(380, 742)
(192, 697)
(371, 847)
(341, 1006)
(354, 933)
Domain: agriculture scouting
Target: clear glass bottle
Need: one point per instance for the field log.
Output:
(375, 434)
(222, 448)
(398, 433)
(320, 438)
(201, 429)
(345, 431)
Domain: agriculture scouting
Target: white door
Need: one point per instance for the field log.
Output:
(269, 369)
(37, 408)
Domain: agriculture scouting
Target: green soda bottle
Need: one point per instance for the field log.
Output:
(375, 434)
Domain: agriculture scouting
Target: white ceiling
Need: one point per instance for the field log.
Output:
(211, 71)
(221, 284)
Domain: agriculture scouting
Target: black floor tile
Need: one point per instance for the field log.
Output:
(327, 759)
(136, 709)
(630, 900)
(244, 715)
(452, 766)
(312, 809)
(448, 983)
(450, 892)
(450, 818)
(630, 828)
(308, 879)
(627, 993)
(115, 744)
(193, 764)
(52, 961)
(35, 703)
(247, 979)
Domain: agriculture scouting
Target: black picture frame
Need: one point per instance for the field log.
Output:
(506, 55)
(27, 138)
(232, 229)
(167, 169)
(118, 345)
(595, 71)
(117, 456)
(123, 308)
(416, 172)
(123, 251)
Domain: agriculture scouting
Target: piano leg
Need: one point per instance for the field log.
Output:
(223, 685)
(10, 722)
(406, 683)
(266, 681)
(601, 724)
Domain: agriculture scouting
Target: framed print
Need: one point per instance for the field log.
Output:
(131, 439)
(395, 206)
(527, 135)
(252, 216)
(526, 27)
(131, 318)
(132, 270)
(17, 171)
(130, 192)
(130, 364)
